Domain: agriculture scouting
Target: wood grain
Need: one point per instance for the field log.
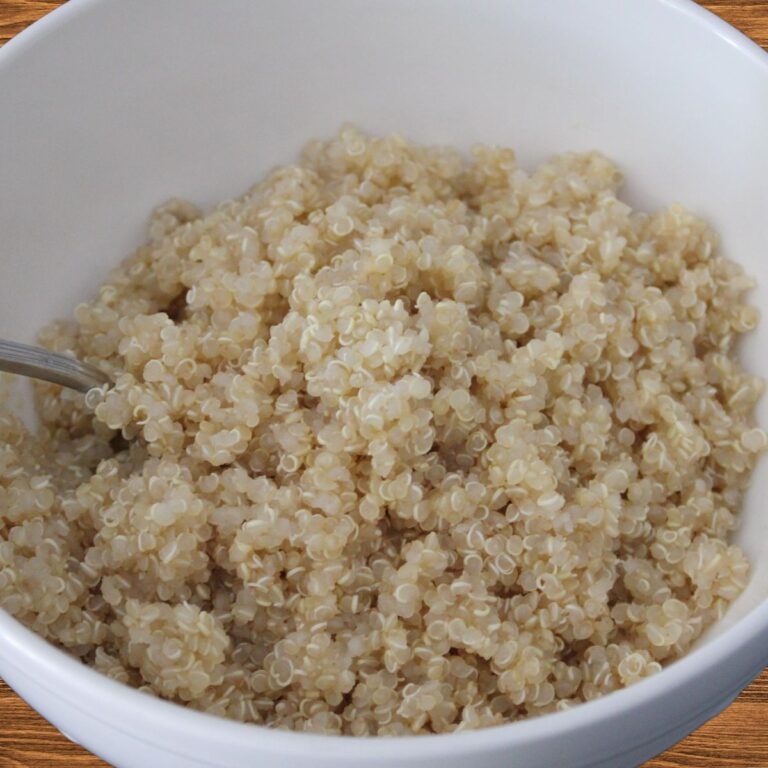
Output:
(751, 17)
(738, 738)
(28, 741)
(15, 15)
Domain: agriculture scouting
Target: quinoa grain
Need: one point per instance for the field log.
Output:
(414, 444)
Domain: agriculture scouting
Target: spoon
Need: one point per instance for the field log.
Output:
(50, 366)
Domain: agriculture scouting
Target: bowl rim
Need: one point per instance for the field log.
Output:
(67, 679)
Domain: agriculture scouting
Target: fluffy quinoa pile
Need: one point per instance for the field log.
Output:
(399, 442)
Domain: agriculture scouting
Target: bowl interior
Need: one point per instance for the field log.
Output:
(115, 107)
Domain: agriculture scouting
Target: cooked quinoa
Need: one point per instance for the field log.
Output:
(399, 442)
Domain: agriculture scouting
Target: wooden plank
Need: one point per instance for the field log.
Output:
(736, 739)
(28, 741)
(15, 15)
(750, 16)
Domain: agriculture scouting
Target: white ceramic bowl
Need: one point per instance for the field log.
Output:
(111, 107)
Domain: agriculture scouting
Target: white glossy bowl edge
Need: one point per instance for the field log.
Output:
(111, 107)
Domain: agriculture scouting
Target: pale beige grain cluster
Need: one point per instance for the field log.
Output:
(399, 442)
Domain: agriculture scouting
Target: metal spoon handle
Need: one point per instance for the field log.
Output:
(49, 366)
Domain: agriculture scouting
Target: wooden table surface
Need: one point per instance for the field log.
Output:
(738, 738)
